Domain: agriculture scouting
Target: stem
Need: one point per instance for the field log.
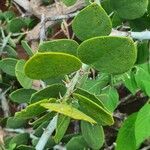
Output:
(144, 35)
(4, 103)
(20, 131)
(5, 41)
(25, 4)
(61, 17)
(47, 133)
(74, 81)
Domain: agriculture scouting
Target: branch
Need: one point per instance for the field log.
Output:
(47, 133)
(144, 35)
(4, 103)
(52, 15)
(9, 130)
(61, 17)
(24, 4)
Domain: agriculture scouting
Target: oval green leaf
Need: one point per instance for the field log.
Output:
(93, 134)
(15, 25)
(50, 64)
(61, 45)
(8, 66)
(142, 125)
(21, 95)
(68, 110)
(92, 21)
(113, 55)
(126, 135)
(77, 143)
(52, 91)
(130, 9)
(20, 74)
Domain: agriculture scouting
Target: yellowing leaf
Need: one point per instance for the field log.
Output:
(68, 110)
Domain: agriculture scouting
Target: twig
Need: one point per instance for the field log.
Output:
(47, 133)
(50, 12)
(18, 8)
(146, 148)
(21, 131)
(60, 17)
(42, 29)
(144, 35)
(4, 103)
(24, 4)
(5, 41)
(74, 81)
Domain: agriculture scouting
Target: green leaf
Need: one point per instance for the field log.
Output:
(16, 24)
(8, 15)
(21, 95)
(142, 125)
(140, 73)
(95, 86)
(20, 139)
(90, 108)
(10, 51)
(15, 123)
(68, 110)
(69, 2)
(129, 82)
(126, 136)
(51, 64)
(116, 20)
(130, 9)
(52, 91)
(111, 102)
(140, 24)
(33, 110)
(8, 66)
(113, 55)
(90, 96)
(62, 125)
(39, 121)
(77, 142)
(143, 52)
(39, 130)
(27, 48)
(61, 45)
(25, 147)
(93, 135)
(92, 21)
(20, 74)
